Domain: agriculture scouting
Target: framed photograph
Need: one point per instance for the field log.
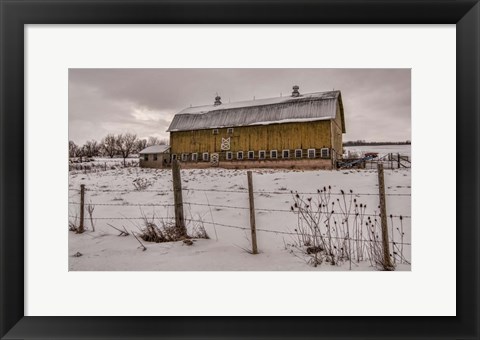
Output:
(251, 189)
(239, 169)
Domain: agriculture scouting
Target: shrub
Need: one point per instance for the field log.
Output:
(142, 183)
(336, 230)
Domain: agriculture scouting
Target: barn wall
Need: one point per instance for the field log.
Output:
(270, 164)
(337, 133)
(291, 136)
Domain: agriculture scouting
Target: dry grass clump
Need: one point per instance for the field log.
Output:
(142, 183)
(72, 226)
(158, 234)
(338, 230)
(168, 232)
(199, 231)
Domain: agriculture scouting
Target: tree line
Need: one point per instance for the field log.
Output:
(363, 142)
(124, 145)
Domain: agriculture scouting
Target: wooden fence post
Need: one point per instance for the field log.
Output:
(387, 264)
(398, 158)
(81, 227)
(177, 196)
(252, 213)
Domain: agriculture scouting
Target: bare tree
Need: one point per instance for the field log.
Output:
(152, 140)
(141, 144)
(91, 148)
(126, 144)
(80, 152)
(109, 145)
(72, 148)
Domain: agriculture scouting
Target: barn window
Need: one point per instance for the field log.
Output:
(251, 155)
(174, 157)
(145, 157)
(240, 155)
(311, 153)
(215, 131)
(325, 152)
(273, 153)
(194, 157)
(286, 154)
(298, 153)
(229, 155)
(205, 156)
(230, 131)
(154, 156)
(261, 154)
(184, 157)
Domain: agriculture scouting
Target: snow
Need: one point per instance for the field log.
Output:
(98, 164)
(291, 120)
(110, 162)
(207, 195)
(269, 122)
(258, 102)
(310, 106)
(404, 150)
(155, 149)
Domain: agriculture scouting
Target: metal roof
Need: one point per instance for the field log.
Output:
(155, 149)
(307, 107)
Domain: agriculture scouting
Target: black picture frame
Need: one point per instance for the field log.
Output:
(16, 13)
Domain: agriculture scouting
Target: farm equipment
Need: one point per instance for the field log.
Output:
(352, 162)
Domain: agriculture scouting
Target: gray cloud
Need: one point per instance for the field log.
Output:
(377, 102)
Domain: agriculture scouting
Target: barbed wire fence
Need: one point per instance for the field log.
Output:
(347, 234)
(88, 167)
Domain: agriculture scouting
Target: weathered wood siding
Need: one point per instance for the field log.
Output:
(303, 164)
(303, 135)
(337, 140)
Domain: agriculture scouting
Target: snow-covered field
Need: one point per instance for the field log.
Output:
(101, 164)
(404, 150)
(208, 196)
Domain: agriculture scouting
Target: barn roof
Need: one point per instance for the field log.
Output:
(155, 149)
(304, 108)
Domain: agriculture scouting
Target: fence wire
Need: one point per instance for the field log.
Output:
(359, 215)
(290, 192)
(314, 213)
(353, 194)
(126, 204)
(278, 232)
(124, 218)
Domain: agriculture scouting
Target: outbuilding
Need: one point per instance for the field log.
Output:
(155, 156)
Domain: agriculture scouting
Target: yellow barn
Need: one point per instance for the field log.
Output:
(298, 131)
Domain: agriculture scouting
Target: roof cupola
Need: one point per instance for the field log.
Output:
(295, 92)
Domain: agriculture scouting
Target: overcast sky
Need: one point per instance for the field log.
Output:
(377, 102)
